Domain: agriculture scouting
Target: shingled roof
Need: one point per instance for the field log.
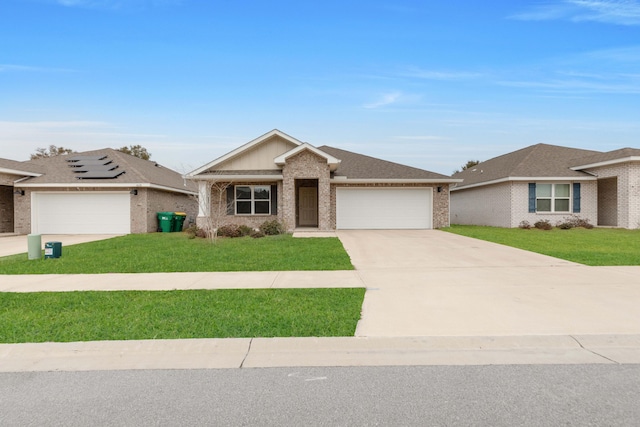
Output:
(621, 155)
(136, 171)
(359, 166)
(13, 167)
(536, 161)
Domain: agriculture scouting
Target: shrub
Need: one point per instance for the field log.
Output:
(543, 224)
(564, 225)
(191, 231)
(524, 225)
(272, 228)
(576, 221)
(256, 234)
(228, 230)
(245, 230)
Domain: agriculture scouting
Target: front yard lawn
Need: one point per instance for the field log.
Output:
(596, 247)
(175, 252)
(138, 315)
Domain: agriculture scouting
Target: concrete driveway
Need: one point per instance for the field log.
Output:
(12, 245)
(433, 283)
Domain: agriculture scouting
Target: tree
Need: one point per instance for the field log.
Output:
(469, 164)
(137, 151)
(50, 152)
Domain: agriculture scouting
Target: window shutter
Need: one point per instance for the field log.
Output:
(576, 197)
(274, 199)
(231, 200)
(532, 197)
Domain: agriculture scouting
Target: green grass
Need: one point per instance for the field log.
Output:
(138, 315)
(596, 247)
(175, 252)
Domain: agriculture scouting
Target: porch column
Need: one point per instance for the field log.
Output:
(204, 201)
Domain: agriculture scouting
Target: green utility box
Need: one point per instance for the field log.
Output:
(166, 221)
(53, 250)
(178, 221)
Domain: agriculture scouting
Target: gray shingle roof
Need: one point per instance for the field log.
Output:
(19, 166)
(608, 156)
(536, 161)
(359, 166)
(56, 170)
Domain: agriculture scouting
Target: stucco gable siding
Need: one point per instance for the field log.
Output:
(259, 157)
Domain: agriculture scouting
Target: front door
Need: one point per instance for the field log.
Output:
(308, 207)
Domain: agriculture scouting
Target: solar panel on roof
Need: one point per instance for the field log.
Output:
(100, 174)
(90, 168)
(91, 162)
(94, 167)
(79, 158)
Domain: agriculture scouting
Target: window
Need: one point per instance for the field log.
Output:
(253, 199)
(553, 197)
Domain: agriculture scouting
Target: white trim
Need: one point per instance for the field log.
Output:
(527, 179)
(235, 178)
(119, 185)
(331, 161)
(345, 180)
(18, 172)
(607, 163)
(242, 148)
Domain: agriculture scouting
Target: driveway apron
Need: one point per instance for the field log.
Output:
(434, 283)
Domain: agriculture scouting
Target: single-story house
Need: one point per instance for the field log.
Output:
(277, 177)
(549, 182)
(94, 192)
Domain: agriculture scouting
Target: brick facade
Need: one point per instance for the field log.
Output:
(306, 165)
(507, 205)
(144, 206)
(6, 209)
(627, 198)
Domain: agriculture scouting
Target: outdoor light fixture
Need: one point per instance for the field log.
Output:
(439, 189)
(19, 192)
(134, 192)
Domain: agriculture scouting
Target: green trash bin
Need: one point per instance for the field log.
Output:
(178, 220)
(166, 221)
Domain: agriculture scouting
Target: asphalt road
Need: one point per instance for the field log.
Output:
(509, 395)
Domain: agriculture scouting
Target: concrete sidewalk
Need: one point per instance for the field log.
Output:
(307, 352)
(432, 298)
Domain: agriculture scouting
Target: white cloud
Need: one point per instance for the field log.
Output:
(619, 12)
(115, 4)
(387, 99)
(440, 75)
(422, 138)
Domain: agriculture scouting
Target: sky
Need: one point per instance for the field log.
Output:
(429, 84)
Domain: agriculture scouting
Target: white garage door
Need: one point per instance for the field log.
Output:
(383, 208)
(81, 213)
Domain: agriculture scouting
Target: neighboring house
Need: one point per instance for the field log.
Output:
(275, 176)
(550, 182)
(95, 192)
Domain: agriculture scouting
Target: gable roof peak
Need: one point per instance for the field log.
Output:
(251, 144)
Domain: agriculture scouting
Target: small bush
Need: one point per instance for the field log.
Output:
(272, 228)
(256, 234)
(576, 221)
(564, 225)
(245, 230)
(228, 230)
(191, 231)
(543, 224)
(202, 233)
(525, 225)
